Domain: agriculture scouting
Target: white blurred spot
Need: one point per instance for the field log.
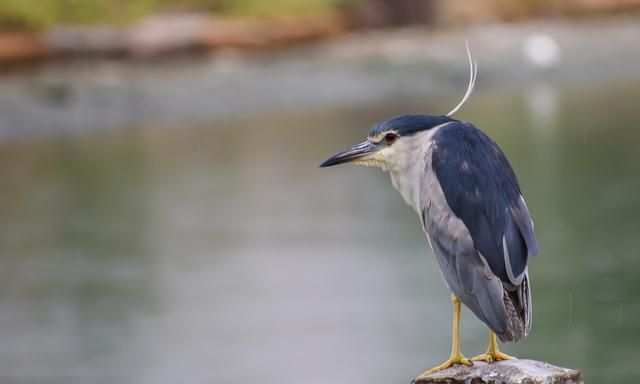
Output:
(542, 50)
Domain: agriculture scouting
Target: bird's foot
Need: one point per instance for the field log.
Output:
(493, 353)
(491, 356)
(453, 360)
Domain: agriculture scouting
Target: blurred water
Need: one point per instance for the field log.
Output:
(215, 250)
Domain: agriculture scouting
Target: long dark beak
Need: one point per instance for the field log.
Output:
(351, 154)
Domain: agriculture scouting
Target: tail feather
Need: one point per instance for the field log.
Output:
(517, 303)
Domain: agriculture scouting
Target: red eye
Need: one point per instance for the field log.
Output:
(390, 138)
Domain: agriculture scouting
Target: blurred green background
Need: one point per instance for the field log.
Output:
(165, 220)
(38, 14)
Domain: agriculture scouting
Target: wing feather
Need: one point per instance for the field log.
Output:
(481, 189)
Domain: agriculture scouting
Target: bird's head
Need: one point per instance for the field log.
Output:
(391, 143)
(394, 143)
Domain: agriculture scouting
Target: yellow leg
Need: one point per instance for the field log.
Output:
(493, 354)
(456, 357)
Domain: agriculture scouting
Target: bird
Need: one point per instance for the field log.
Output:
(472, 210)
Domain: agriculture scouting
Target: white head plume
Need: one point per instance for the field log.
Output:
(473, 72)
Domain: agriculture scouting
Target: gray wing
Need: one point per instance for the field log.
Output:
(463, 270)
(481, 190)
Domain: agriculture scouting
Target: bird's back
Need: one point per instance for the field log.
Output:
(478, 226)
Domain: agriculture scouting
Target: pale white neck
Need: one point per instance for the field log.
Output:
(408, 165)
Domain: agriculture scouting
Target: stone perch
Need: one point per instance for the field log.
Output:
(504, 372)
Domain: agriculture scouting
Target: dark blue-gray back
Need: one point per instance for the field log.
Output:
(481, 189)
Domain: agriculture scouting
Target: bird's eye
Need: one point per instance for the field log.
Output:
(390, 138)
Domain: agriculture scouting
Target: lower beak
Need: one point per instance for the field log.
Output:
(356, 152)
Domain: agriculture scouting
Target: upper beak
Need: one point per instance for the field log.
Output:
(351, 154)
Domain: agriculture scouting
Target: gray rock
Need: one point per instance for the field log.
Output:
(503, 372)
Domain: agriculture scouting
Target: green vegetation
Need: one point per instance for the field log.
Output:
(278, 7)
(42, 14)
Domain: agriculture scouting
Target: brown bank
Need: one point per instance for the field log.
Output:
(167, 33)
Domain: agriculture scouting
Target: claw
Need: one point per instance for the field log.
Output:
(453, 360)
(491, 357)
(493, 353)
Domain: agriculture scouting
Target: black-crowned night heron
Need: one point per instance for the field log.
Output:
(469, 202)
